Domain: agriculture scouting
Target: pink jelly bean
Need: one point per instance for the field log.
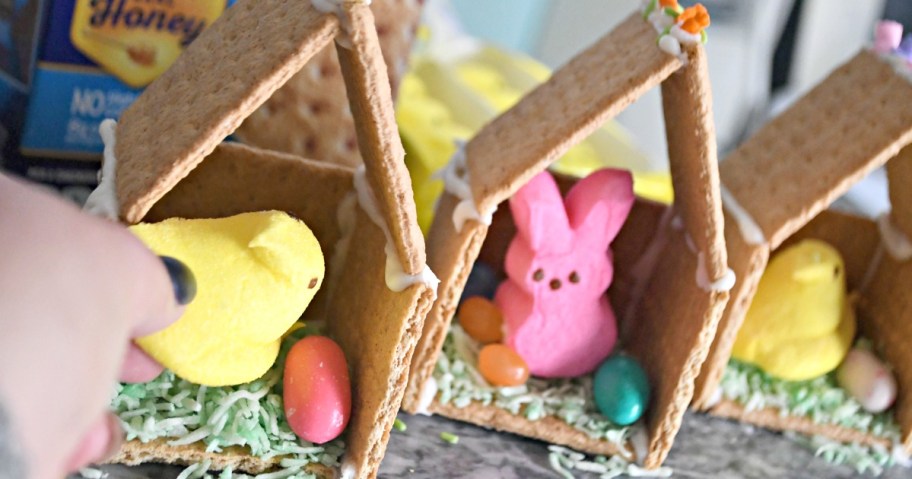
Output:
(868, 380)
(887, 36)
(317, 389)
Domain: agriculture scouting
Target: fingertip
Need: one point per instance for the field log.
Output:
(138, 366)
(99, 444)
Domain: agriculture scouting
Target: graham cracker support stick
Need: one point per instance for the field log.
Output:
(207, 93)
(865, 101)
(371, 103)
(691, 134)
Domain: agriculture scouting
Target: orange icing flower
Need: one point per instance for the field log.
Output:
(694, 19)
(668, 3)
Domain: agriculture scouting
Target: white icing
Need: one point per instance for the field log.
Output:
(749, 228)
(671, 46)
(426, 397)
(640, 442)
(455, 177)
(103, 200)
(715, 399)
(348, 470)
(900, 456)
(673, 41)
(396, 278)
(894, 240)
(335, 6)
(725, 283)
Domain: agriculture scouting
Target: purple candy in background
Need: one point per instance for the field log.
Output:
(905, 48)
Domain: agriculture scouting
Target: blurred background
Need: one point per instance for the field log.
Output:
(471, 60)
(762, 55)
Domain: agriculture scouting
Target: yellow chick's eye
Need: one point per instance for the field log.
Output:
(815, 273)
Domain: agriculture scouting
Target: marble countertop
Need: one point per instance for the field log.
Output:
(705, 448)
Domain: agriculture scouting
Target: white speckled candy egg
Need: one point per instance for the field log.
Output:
(868, 380)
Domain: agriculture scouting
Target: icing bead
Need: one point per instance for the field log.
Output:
(501, 366)
(317, 390)
(868, 380)
(481, 319)
(482, 281)
(621, 389)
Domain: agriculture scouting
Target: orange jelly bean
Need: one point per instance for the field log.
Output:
(481, 319)
(501, 366)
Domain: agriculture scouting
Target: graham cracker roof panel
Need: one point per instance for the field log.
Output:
(225, 74)
(694, 165)
(592, 88)
(371, 100)
(801, 161)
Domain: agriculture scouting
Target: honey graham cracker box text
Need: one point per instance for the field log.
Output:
(502, 212)
(255, 390)
(84, 61)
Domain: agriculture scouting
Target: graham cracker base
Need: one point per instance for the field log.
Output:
(772, 419)
(133, 453)
(309, 116)
(549, 429)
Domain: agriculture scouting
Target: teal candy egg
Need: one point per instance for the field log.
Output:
(621, 389)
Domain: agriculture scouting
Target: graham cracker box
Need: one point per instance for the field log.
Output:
(87, 60)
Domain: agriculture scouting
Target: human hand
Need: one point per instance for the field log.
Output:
(74, 290)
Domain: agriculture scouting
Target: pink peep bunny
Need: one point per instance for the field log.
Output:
(559, 265)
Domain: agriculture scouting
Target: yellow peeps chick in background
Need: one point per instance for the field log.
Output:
(255, 273)
(800, 325)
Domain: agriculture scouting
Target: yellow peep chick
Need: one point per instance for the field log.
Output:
(255, 275)
(800, 325)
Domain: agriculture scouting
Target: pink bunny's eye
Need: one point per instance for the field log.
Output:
(538, 275)
(574, 277)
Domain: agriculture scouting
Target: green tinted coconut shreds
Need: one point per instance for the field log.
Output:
(823, 401)
(460, 383)
(565, 461)
(249, 415)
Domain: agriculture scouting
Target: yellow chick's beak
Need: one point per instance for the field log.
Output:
(256, 273)
(800, 325)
